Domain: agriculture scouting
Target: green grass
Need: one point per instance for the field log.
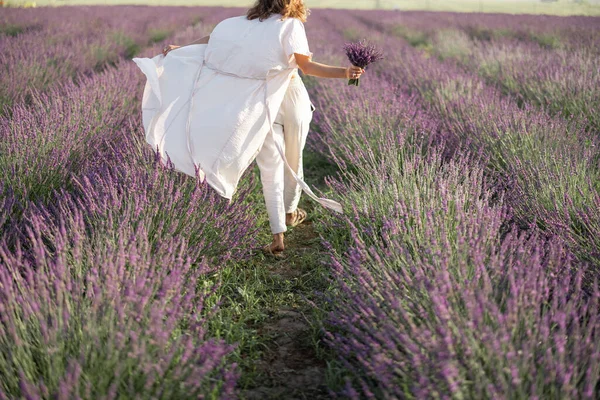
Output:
(546, 40)
(415, 38)
(253, 291)
(128, 44)
(251, 294)
(561, 7)
(11, 29)
(158, 35)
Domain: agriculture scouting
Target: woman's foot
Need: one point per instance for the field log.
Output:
(276, 247)
(296, 217)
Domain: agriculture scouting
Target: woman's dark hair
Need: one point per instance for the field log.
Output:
(263, 9)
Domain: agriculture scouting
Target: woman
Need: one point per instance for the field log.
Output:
(209, 106)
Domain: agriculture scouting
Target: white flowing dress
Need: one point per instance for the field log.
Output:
(208, 108)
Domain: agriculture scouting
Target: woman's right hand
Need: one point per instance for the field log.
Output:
(353, 72)
(309, 67)
(168, 48)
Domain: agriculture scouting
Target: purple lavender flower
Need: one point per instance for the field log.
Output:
(361, 54)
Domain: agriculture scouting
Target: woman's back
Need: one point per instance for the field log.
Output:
(250, 48)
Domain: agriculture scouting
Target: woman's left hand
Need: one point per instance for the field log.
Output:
(168, 48)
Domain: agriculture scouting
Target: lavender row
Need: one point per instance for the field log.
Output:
(550, 32)
(106, 288)
(561, 80)
(60, 135)
(105, 315)
(435, 298)
(439, 301)
(438, 292)
(548, 164)
(55, 46)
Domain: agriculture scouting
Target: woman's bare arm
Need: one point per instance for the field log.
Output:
(310, 67)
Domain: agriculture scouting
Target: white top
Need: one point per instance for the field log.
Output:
(209, 108)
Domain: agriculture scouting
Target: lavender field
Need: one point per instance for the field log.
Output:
(466, 264)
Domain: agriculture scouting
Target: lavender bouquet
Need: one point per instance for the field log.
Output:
(360, 55)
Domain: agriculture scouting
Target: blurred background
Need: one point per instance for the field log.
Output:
(555, 7)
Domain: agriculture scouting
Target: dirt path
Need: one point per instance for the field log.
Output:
(290, 367)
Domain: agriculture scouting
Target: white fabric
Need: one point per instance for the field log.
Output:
(208, 108)
(271, 167)
(294, 115)
(281, 190)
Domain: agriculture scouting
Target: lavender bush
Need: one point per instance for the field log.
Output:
(437, 292)
(52, 46)
(557, 78)
(121, 225)
(108, 258)
(380, 113)
(7, 207)
(105, 316)
(164, 202)
(463, 315)
(523, 145)
(58, 136)
(551, 32)
(428, 232)
(43, 146)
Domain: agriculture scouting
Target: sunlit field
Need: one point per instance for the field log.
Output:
(466, 263)
(558, 7)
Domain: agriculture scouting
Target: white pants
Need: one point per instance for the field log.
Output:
(291, 125)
